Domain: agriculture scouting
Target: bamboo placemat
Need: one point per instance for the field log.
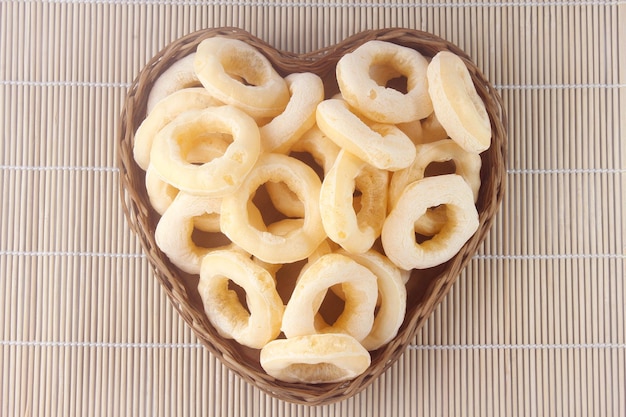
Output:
(535, 325)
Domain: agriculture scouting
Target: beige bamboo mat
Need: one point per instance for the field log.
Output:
(535, 325)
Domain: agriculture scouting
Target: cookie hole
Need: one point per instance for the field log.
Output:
(440, 168)
(389, 77)
(241, 294)
(356, 200)
(209, 239)
(205, 148)
(286, 278)
(308, 159)
(240, 79)
(245, 67)
(378, 246)
(382, 71)
(331, 308)
(398, 84)
(430, 224)
(420, 238)
(269, 212)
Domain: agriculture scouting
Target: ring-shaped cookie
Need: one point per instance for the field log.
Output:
(391, 295)
(297, 244)
(360, 290)
(164, 112)
(398, 235)
(383, 146)
(175, 228)
(432, 221)
(378, 102)
(219, 176)
(458, 107)
(353, 231)
(315, 359)
(180, 75)
(222, 306)
(239, 74)
(307, 91)
(467, 165)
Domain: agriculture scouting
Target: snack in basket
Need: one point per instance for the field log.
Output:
(219, 176)
(391, 297)
(371, 96)
(298, 243)
(349, 213)
(238, 74)
(254, 328)
(398, 235)
(315, 359)
(354, 230)
(458, 107)
(359, 286)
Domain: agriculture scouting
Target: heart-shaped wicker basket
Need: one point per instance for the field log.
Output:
(425, 290)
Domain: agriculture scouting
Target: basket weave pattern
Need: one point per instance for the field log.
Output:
(426, 288)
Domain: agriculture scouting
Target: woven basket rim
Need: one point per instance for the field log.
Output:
(141, 218)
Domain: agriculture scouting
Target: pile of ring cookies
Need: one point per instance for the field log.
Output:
(358, 213)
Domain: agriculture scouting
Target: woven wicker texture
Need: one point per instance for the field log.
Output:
(534, 325)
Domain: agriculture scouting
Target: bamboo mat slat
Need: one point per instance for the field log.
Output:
(536, 325)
